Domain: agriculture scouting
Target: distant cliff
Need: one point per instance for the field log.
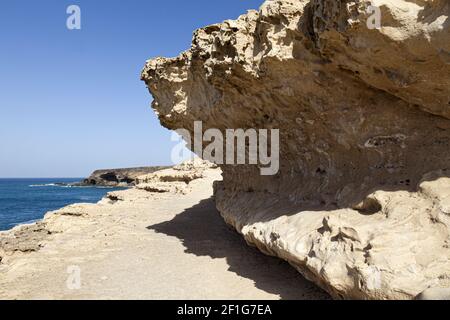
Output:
(118, 177)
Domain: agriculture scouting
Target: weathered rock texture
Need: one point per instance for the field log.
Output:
(361, 204)
(176, 179)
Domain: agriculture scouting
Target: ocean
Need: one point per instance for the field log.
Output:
(28, 200)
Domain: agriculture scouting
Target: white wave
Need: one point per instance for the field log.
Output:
(25, 223)
(70, 186)
(28, 222)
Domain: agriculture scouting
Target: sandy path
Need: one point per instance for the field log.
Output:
(149, 246)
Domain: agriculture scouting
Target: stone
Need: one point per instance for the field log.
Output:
(176, 179)
(117, 177)
(361, 204)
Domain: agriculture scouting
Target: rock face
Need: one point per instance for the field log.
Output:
(118, 177)
(361, 204)
(176, 179)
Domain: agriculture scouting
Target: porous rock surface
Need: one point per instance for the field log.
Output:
(361, 204)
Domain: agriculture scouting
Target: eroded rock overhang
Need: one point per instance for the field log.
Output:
(364, 119)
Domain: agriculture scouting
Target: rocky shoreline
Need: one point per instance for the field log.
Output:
(162, 239)
(26, 238)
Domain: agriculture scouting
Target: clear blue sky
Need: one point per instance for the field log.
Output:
(72, 101)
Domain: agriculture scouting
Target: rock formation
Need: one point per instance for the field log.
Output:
(30, 238)
(118, 177)
(176, 179)
(361, 204)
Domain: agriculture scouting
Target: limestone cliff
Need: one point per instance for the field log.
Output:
(361, 204)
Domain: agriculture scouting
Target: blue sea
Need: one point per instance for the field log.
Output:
(28, 200)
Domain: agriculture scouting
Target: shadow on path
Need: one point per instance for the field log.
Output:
(204, 233)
